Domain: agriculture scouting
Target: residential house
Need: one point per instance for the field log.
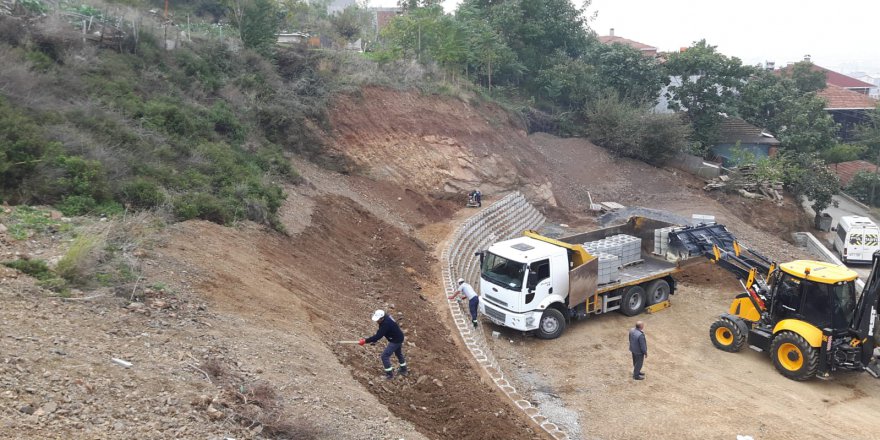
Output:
(847, 107)
(646, 50)
(736, 134)
(292, 38)
(847, 99)
(847, 170)
(383, 16)
(870, 79)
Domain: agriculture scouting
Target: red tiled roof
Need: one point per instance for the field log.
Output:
(611, 39)
(847, 170)
(835, 78)
(838, 98)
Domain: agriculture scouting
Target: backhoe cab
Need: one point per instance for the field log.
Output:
(803, 316)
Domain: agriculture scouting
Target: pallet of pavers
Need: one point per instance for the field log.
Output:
(609, 268)
(626, 247)
(661, 240)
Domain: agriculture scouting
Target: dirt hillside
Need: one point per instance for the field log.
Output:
(232, 331)
(436, 144)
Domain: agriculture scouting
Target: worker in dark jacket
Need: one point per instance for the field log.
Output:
(388, 329)
(639, 349)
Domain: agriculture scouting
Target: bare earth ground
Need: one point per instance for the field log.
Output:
(692, 390)
(236, 334)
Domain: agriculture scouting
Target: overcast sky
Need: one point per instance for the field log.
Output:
(842, 35)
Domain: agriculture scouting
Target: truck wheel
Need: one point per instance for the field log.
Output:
(726, 335)
(633, 301)
(793, 357)
(658, 291)
(551, 325)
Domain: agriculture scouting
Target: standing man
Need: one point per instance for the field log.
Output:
(478, 197)
(639, 348)
(466, 291)
(388, 329)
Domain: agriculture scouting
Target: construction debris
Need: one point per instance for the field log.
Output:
(746, 183)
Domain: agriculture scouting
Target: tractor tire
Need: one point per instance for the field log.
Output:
(552, 324)
(727, 336)
(633, 301)
(657, 292)
(793, 356)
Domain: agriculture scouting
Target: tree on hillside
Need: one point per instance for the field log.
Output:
(624, 69)
(536, 30)
(351, 23)
(795, 115)
(571, 84)
(707, 86)
(868, 134)
(257, 22)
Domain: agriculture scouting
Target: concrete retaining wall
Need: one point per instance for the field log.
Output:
(504, 219)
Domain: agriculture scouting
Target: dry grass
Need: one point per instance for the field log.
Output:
(256, 405)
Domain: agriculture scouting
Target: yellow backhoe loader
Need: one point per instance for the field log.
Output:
(806, 314)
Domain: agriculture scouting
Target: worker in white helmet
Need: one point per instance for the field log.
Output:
(467, 291)
(388, 329)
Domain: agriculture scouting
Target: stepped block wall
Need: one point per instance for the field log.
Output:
(506, 218)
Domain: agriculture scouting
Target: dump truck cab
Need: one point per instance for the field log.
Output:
(518, 279)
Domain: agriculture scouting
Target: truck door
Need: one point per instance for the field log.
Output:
(539, 284)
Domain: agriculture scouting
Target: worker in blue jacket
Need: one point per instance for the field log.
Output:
(388, 329)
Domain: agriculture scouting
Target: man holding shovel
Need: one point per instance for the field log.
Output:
(388, 329)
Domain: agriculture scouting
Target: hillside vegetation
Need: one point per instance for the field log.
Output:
(201, 131)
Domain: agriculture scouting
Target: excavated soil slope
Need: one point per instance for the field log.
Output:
(435, 143)
(332, 275)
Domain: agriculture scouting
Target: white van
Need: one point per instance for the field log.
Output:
(856, 239)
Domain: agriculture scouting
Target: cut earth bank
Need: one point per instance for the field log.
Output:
(259, 307)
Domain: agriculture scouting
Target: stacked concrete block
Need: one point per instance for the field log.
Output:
(630, 248)
(609, 268)
(661, 240)
(626, 247)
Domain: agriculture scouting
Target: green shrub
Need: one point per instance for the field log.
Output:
(201, 205)
(844, 153)
(35, 268)
(615, 125)
(22, 149)
(141, 193)
(80, 260)
(865, 186)
(82, 177)
(172, 116)
(631, 130)
(86, 205)
(77, 205)
(663, 136)
(226, 123)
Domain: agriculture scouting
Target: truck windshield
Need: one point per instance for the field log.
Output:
(503, 272)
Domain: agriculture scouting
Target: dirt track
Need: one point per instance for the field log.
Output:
(692, 390)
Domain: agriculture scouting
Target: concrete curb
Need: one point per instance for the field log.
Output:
(853, 200)
(506, 218)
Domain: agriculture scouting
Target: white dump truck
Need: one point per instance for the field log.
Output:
(536, 283)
